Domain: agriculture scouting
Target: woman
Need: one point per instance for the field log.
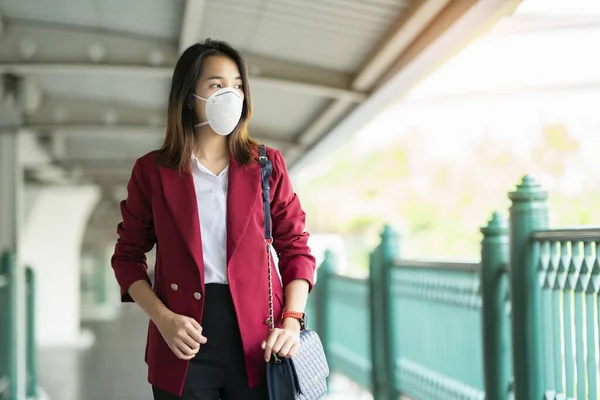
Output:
(199, 199)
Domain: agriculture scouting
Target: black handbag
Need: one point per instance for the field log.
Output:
(303, 376)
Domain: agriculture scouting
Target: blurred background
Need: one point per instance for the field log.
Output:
(421, 114)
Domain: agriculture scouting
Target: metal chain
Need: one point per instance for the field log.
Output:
(271, 318)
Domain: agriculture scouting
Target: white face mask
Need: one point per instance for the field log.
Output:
(223, 110)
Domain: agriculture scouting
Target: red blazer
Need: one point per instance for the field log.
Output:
(161, 209)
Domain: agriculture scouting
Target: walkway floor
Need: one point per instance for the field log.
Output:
(114, 369)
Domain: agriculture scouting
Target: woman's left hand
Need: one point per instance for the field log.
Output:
(284, 342)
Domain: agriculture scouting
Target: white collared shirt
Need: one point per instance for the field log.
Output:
(211, 194)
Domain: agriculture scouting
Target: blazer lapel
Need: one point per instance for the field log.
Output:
(244, 189)
(180, 195)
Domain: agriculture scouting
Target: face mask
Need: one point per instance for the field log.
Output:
(223, 110)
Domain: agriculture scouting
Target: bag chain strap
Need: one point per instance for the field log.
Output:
(271, 317)
(266, 170)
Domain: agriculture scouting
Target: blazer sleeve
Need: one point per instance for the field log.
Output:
(136, 234)
(288, 225)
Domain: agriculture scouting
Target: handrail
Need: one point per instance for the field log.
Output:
(454, 266)
(567, 234)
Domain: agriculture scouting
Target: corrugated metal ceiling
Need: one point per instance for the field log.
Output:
(330, 38)
(153, 18)
(331, 33)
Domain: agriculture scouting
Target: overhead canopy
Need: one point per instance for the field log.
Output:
(90, 78)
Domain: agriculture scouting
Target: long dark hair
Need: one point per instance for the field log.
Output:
(176, 151)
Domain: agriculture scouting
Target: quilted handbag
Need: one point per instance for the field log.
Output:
(304, 376)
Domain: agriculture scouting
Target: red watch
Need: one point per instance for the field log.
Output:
(300, 316)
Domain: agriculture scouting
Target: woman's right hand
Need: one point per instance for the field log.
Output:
(182, 334)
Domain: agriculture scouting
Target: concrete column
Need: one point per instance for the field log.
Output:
(11, 188)
(52, 238)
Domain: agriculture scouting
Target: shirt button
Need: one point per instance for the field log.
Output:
(174, 286)
(197, 296)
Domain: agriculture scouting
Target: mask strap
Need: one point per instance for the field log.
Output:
(201, 123)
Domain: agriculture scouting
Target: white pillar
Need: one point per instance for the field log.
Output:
(52, 238)
(11, 188)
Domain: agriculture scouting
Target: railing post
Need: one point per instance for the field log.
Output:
(322, 297)
(4, 329)
(32, 376)
(496, 327)
(378, 379)
(10, 267)
(528, 213)
(383, 316)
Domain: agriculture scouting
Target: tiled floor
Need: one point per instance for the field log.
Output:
(114, 369)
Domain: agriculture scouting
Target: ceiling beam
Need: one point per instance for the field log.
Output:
(166, 72)
(192, 23)
(404, 31)
(310, 89)
(319, 127)
(526, 23)
(261, 65)
(50, 129)
(131, 129)
(30, 42)
(452, 13)
(324, 121)
(73, 111)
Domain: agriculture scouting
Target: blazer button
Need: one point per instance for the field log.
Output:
(197, 296)
(267, 321)
(174, 286)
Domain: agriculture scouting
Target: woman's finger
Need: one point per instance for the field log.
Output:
(196, 325)
(185, 349)
(293, 351)
(285, 350)
(179, 354)
(190, 342)
(281, 341)
(194, 332)
(271, 340)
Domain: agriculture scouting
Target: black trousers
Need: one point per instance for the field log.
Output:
(218, 371)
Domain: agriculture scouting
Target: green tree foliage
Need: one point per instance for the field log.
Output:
(439, 200)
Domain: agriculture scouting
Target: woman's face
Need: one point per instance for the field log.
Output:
(217, 72)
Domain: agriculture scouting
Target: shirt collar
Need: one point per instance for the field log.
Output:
(202, 168)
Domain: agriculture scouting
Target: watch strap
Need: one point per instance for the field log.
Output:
(300, 316)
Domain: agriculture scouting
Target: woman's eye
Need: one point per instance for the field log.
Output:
(216, 85)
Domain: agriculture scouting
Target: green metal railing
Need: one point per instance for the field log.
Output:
(419, 328)
(32, 391)
(433, 321)
(340, 308)
(522, 324)
(8, 330)
(557, 274)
